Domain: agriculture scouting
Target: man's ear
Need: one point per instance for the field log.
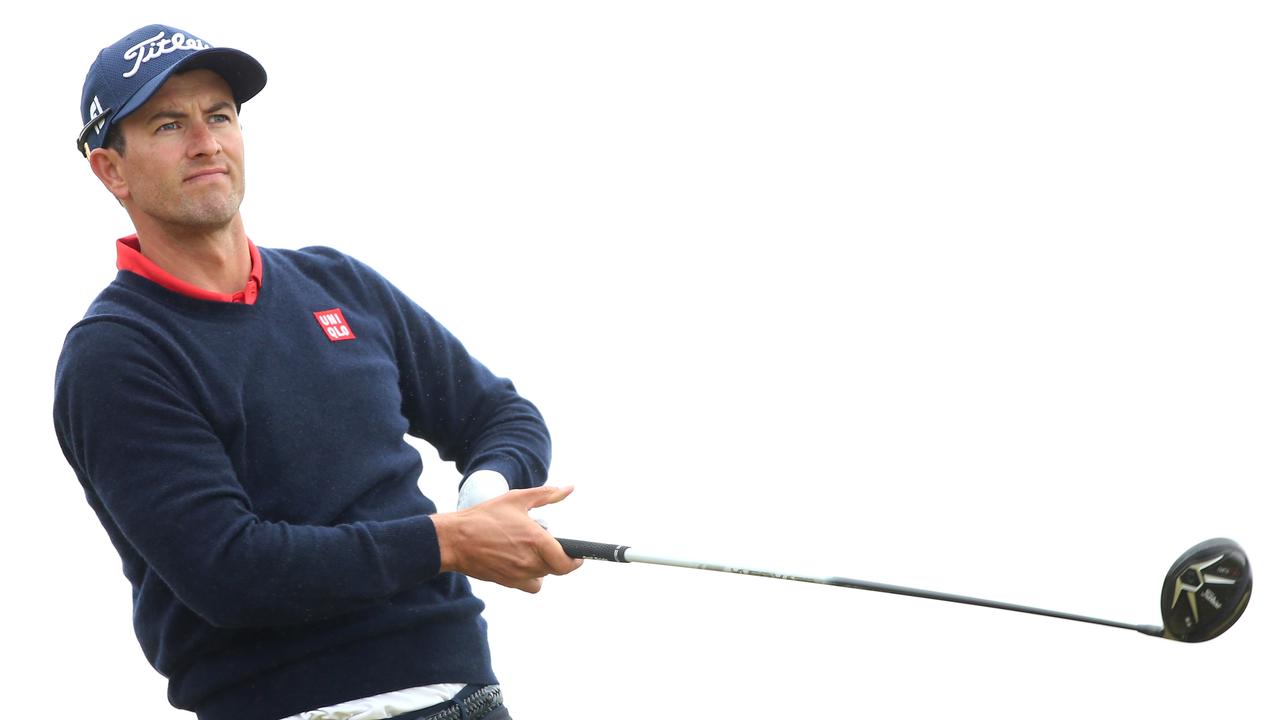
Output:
(106, 163)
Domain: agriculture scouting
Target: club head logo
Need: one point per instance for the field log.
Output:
(1192, 581)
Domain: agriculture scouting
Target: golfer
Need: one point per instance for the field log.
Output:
(237, 418)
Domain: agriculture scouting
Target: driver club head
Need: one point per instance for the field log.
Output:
(1206, 591)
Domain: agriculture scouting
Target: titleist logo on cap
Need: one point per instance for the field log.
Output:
(154, 47)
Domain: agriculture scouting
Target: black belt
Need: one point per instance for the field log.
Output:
(472, 707)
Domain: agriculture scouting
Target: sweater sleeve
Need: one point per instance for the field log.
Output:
(162, 484)
(472, 417)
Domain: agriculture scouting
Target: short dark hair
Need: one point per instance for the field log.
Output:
(114, 139)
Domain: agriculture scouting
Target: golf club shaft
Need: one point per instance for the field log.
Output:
(623, 553)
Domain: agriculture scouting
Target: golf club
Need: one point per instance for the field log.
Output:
(1204, 593)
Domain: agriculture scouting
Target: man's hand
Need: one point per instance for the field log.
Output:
(498, 542)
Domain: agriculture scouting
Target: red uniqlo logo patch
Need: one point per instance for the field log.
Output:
(334, 325)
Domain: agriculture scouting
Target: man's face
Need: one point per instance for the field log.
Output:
(183, 163)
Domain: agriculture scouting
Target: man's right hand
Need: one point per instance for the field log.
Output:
(498, 542)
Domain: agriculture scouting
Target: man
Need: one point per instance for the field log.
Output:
(236, 416)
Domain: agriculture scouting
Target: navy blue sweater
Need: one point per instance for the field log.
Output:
(249, 464)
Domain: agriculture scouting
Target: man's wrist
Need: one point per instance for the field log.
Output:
(446, 540)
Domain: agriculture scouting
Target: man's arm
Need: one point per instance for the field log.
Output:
(162, 483)
(498, 441)
(471, 416)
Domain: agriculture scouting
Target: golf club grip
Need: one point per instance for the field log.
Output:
(593, 550)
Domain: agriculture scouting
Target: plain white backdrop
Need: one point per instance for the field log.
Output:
(979, 297)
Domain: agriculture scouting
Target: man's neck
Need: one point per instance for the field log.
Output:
(215, 260)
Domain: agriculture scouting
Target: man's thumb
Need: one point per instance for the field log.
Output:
(546, 495)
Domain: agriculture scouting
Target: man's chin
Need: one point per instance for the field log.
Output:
(207, 216)
(199, 213)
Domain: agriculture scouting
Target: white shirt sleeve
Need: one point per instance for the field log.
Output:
(481, 486)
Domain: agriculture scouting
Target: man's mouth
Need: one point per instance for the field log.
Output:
(205, 174)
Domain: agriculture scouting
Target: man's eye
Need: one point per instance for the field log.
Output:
(168, 126)
(220, 118)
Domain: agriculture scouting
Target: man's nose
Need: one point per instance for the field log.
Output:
(201, 141)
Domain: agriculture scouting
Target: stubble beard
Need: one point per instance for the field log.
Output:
(210, 213)
(201, 212)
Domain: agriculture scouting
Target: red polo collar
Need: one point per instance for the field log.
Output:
(129, 257)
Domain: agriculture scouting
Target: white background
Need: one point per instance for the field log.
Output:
(979, 297)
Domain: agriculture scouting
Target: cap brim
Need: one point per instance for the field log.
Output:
(243, 74)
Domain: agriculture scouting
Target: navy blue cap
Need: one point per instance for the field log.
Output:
(126, 75)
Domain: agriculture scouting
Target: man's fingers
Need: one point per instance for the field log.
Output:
(530, 586)
(554, 557)
(574, 564)
(549, 550)
(539, 496)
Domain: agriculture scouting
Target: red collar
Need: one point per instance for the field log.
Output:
(129, 257)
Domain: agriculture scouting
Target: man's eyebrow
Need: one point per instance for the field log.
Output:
(179, 115)
(165, 115)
